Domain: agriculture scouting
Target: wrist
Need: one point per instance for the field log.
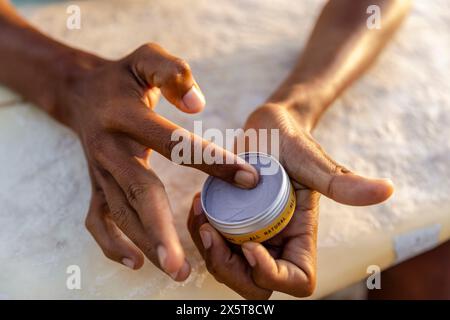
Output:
(305, 102)
(72, 68)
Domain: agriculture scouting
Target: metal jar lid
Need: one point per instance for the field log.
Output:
(261, 219)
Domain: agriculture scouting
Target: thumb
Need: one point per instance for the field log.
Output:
(352, 189)
(320, 172)
(153, 65)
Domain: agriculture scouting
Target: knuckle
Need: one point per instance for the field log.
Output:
(336, 171)
(228, 263)
(110, 118)
(330, 187)
(339, 169)
(148, 48)
(149, 52)
(116, 236)
(182, 68)
(308, 230)
(98, 153)
(120, 216)
(94, 141)
(152, 46)
(124, 170)
(135, 191)
(96, 145)
(169, 145)
(89, 223)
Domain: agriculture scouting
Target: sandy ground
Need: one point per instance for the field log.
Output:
(393, 123)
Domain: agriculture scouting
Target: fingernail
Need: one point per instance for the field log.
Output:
(174, 275)
(245, 179)
(162, 255)
(249, 256)
(184, 269)
(206, 238)
(194, 100)
(198, 210)
(128, 262)
(389, 181)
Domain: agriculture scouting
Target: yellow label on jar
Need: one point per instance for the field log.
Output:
(272, 229)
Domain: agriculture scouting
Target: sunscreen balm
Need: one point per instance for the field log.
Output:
(256, 214)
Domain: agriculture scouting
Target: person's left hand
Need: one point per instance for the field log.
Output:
(286, 262)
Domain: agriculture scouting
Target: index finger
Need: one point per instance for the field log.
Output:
(185, 148)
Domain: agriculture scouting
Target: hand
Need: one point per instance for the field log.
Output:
(286, 262)
(110, 106)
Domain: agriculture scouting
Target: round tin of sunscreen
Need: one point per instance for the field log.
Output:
(256, 214)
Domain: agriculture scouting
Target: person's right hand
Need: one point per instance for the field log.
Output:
(109, 104)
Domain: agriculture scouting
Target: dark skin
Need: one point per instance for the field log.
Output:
(430, 274)
(287, 262)
(110, 105)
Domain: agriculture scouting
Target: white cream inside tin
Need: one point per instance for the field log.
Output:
(227, 203)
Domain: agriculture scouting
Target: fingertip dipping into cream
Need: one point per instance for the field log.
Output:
(246, 179)
(250, 214)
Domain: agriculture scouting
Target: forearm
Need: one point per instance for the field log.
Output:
(34, 65)
(340, 49)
